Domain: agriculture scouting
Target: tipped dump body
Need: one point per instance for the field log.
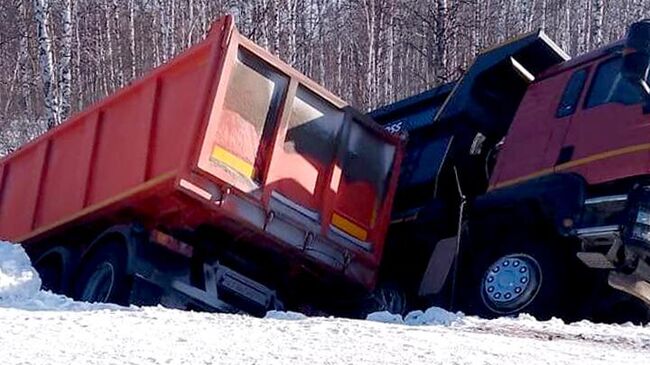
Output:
(226, 136)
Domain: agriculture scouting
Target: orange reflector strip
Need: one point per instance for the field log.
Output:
(232, 161)
(349, 227)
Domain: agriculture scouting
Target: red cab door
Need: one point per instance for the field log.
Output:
(535, 140)
(609, 135)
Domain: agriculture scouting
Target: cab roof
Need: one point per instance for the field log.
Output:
(583, 59)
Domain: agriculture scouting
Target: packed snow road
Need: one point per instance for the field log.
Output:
(42, 328)
(160, 336)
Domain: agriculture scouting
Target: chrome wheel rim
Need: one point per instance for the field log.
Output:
(511, 283)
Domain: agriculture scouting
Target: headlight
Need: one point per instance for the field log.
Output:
(636, 231)
(641, 233)
(643, 216)
(641, 228)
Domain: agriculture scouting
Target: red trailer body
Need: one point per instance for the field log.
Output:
(225, 135)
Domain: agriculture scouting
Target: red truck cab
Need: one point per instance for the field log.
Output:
(596, 127)
(572, 175)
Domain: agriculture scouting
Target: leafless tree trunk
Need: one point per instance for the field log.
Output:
(46, 62)
(65, 68)
(132, 37)
(441, 38)
(597, 26)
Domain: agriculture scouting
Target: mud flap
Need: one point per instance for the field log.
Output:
(631, 284)
(439, 267)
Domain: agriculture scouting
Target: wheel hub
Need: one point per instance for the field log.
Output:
(511, 283)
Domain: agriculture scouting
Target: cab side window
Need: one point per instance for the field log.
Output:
(571, 94)
(609, 86)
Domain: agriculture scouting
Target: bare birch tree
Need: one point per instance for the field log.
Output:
(46, 62)
(58, 56)
(65, 68)
(597, 25)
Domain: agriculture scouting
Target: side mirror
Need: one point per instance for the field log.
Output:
(636, 58)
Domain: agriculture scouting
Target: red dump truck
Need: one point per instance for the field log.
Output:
(227, 181)
(224, 180)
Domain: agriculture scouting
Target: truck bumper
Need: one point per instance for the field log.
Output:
(622, 246)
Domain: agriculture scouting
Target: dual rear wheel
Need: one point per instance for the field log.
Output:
(101, 277)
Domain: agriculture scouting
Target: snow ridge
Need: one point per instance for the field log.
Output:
(20, 285)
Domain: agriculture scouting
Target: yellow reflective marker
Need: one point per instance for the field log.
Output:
(236, 163)
(349, 227)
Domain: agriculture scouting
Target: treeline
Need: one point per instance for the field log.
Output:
(58, 56)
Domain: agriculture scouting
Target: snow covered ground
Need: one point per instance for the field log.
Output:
(42, 328)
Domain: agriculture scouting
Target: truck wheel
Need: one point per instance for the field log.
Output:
(511, 283)
(55, 267)
(103, 277)
(527, 277)
(50, 271)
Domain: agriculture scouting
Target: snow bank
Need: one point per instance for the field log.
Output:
(18, 279)
(385, 317)
(290, 316)
(20, 285)
(432, 316)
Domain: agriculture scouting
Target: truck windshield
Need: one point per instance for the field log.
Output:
(609, 86)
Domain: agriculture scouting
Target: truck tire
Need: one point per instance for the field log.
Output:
(55, 267)
(103, 277)
(521, 275)
(50, 270)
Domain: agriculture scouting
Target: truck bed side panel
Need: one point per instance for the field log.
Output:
(20, 191)
(177, 101)
(114, 153)
(121, 151)
(68, 160)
